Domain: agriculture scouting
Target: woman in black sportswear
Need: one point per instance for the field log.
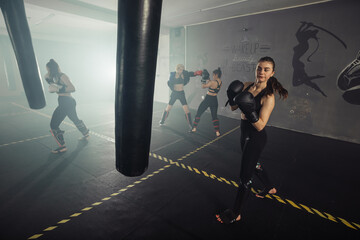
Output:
(176, 83)
(60, 83)
(210, 101)
(256, 100)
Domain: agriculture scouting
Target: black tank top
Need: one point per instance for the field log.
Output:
(217, 89)
(179, 80)
(257, 98)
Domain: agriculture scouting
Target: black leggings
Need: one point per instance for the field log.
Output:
(67, 107)
(177, 95)
(212, 103)
(252, 144)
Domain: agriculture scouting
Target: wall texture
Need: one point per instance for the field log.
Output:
(10, 81)
(161, 93)
(312, 47)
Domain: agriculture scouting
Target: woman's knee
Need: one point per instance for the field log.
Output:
(168, 108)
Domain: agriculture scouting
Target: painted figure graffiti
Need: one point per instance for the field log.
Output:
(306, 32)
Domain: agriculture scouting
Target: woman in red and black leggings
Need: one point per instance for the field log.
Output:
(60, 83)
(210, 101)
(176, 83)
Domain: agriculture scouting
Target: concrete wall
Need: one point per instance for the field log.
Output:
(309, 60)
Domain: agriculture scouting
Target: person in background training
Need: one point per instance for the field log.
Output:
(256, 100)
(210, 100)
(176, 83)
(60, 83)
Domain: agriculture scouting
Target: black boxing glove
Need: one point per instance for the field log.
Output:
(234, 89)
(205, 76)
(247, 105)
(49, 80)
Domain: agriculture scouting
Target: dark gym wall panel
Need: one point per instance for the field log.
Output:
(311, 46)
(10, 81)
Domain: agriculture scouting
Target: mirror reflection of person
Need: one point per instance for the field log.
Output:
(60, 84)
(256, 100)
(176, 83)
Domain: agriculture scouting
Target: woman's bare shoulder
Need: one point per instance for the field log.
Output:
(64, 77)
(269, 99)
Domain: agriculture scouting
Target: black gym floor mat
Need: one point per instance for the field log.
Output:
(191, 176)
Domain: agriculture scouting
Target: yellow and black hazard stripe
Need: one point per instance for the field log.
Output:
(207, 144)
(93, 205)
(66, 220)
(299, 206)
(192, 169)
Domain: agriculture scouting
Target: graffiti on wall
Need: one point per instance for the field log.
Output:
(304, 34)
(242, 56)
(349, 81)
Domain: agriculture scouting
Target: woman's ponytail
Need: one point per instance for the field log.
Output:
(218, 72)
(273, 85)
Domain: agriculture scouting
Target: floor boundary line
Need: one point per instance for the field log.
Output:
(95, 204)
(279, 199)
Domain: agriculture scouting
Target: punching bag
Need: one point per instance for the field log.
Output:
(137, 46)
(19, 32)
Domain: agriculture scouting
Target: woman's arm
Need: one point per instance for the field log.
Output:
(69, 86)
(207, 84)
(47, 79)
(265, 112)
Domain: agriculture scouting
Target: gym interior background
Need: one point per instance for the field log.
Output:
(312, 155)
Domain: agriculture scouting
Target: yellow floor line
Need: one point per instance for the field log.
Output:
(13, 114)
(86, 209)
(207, 144)
(212, 176)
(150, 175)
(64, 122)
(314, 211)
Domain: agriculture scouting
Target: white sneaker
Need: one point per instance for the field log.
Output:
(59, 149)
(84, 138)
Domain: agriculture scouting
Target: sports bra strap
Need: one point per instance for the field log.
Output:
(215, 90)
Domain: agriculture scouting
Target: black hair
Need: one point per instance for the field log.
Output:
(268, 59)
(273, 85)
(217, 72)
(53, 68)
